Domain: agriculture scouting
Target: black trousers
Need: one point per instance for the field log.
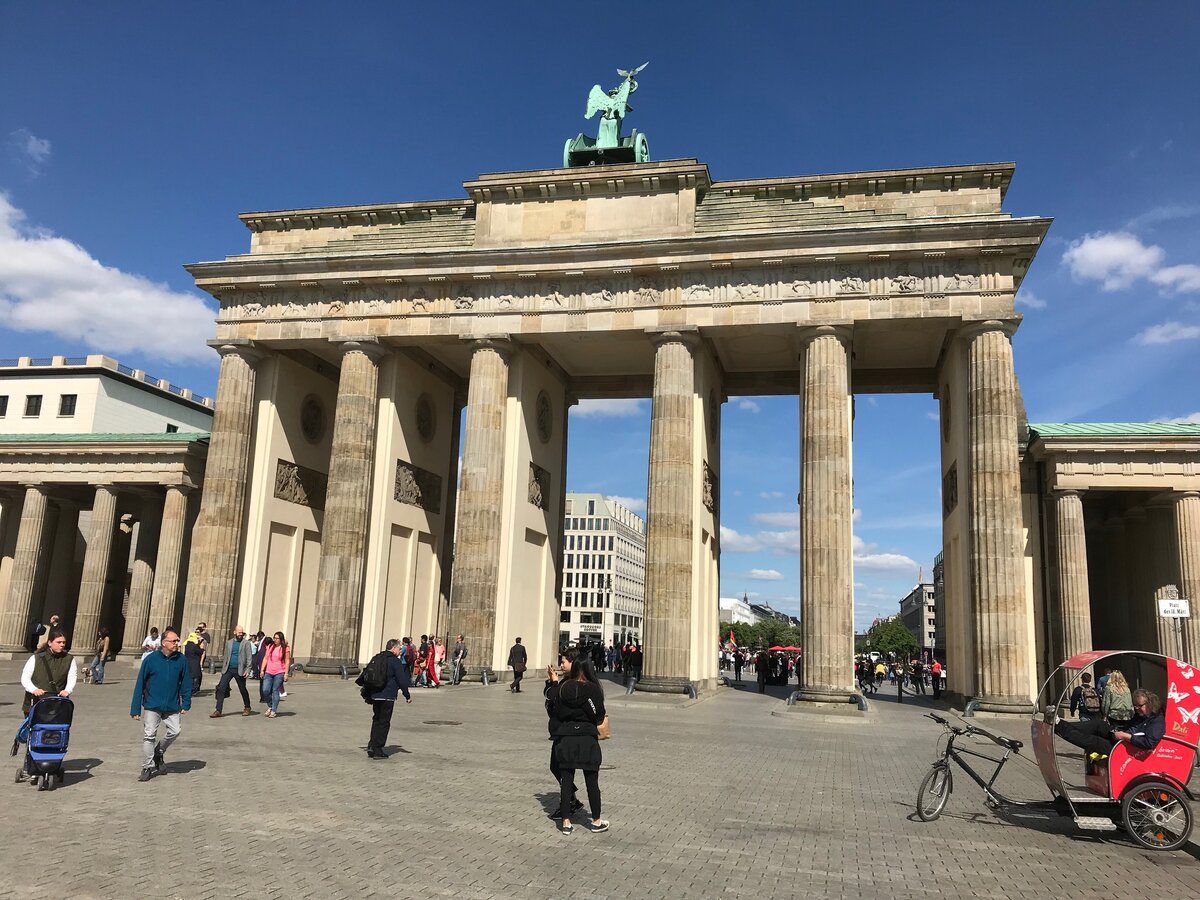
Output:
(518, 674)
(1093, 736)
(381, 724)
(566, 791)
(227, 676)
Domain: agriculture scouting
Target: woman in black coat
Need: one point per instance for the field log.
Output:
(575, 703)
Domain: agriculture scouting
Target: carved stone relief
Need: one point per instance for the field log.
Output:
(950, 490)
(598, 293)
(312, 418)
(418, 487)
(544, 416)
(300, 485)
(539, 486)
(426, 418)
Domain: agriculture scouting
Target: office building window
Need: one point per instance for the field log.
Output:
(591, 507)
(33, 405)
(172, 429)
(66, 404)
(564, 616)
(3, 405)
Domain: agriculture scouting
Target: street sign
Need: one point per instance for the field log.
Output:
(1171, 608)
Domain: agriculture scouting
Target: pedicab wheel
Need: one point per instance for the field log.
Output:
(934, 792)
(1157, 816)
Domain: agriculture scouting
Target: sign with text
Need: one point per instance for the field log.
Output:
(1170, 608)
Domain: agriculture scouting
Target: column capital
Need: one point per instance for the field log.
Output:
(970, 330)
(184, 489)
(689, 335)
(1177, 496)
(501, 344)
(368, 346)
(243, 347)
(809, 333)
(1063, 493)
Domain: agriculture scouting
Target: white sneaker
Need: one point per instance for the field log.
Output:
(283, 695)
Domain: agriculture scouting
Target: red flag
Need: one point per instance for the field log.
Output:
(732, 639)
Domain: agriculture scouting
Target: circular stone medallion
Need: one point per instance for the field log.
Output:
(312, 418)
(545, 418)
(426, 418)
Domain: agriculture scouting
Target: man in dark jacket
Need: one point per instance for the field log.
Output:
(1098, 737)
(383, 702)
(517, 658)
(161, 694)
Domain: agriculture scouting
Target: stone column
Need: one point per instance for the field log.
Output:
(1187, 536)
(1164, 569)
(1003, 657)
(1139, 596)
(337, 611)
(826, 517)
(217, 536)
(168, 562)
(1070, 555)
(667, 620)
(94, 583)
(476, 576)
(18, 607)
(447, 547)
(141, 584)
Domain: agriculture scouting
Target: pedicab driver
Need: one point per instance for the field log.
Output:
(1098, 736)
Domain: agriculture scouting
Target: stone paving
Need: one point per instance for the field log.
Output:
(716, 799)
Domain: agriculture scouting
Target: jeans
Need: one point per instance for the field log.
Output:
(381, 724)
(566, 791)
(227, 676)
(271, 686)
(150, 742)
(97, 670)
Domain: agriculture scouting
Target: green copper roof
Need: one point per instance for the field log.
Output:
(1115, 429)
(157, 438)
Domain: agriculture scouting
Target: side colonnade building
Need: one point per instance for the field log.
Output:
(352, 338)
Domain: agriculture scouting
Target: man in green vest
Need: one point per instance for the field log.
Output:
(49, 671)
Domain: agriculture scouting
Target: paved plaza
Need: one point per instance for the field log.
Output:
(718, 799)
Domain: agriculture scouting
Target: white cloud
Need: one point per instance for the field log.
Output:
(933, 417)
(865, 557)
(1159, 214)
(856, 515)
(1167, 333)
(770, 495)
(633, 504)
(31, 151)
(1178, 279)
(734, 542)
(749, 405)
(1116, 259)
(50, 284)
(1028, 298)
(777, 519)
(610, 408)
(1192, 419)
(764, 575)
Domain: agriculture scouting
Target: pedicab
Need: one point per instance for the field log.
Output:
(1146, 789)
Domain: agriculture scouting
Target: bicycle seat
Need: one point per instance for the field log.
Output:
(1010, 743)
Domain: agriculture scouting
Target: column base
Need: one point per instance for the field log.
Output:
(14, 653)
(821, 694)
(1015, 706)
(666, 685)
(331, 667)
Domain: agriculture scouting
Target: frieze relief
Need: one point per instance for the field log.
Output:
(710, 489)
(418, 487)
(539, 486)
(300, 485)
(823, 280)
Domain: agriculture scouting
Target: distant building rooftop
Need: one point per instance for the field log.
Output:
(1115, 429)
(154, 438)
(100, 365)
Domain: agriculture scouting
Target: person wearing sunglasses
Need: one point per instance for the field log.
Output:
(161, 694)
(1098, 737)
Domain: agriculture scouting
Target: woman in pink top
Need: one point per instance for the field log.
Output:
(439, 657)
(276, 662)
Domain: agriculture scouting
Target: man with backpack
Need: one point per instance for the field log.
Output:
(1085, 699)
(382, 680)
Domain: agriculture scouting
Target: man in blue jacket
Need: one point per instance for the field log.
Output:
(161, 694)
(383, 702)
(1098, 737)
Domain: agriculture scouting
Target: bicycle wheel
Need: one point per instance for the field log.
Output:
(1157, 816)
(934, 792)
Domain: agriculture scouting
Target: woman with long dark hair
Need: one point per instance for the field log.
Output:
(275, 664)
(99, 657)
(576, 708)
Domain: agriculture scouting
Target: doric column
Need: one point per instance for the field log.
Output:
(1164, 570)
(94, 584)
(1187, 536)
(17, 608)
(168, 561)
(141, 582)
(667, 622)
(476, 577)
(217, 536)
(1070, 555)
(337, 612)
(826, 517)
(1139, 595)
(1003, 656)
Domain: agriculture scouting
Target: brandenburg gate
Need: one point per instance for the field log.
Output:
(351, 339)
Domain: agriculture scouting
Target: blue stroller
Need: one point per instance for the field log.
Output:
(46, 732)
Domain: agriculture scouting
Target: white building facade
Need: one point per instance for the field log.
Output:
(604, 572)
(918, 613)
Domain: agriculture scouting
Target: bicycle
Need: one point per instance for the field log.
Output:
(938, 783)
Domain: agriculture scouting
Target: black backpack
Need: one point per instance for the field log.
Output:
(31, 638)
(375, 674)
(1089, 700)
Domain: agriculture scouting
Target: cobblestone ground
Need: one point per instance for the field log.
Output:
(718, 799)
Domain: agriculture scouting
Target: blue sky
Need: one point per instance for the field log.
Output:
(132, 134)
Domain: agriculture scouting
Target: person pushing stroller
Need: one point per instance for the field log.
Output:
(52, 671)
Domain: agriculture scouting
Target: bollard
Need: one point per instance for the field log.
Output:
(630, 685)
(690, 690)
(342, 670)
(970, 708)
(792, 698)
(860, 700)
(484, 675)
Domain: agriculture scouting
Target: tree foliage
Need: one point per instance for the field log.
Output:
(767, 633)
(890, 636)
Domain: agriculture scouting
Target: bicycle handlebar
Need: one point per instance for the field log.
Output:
(1007, 743)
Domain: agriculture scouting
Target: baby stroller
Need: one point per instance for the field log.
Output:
(46, 732)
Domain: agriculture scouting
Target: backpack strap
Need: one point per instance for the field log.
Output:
(54, 687)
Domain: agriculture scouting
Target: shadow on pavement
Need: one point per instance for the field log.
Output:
(183, 766)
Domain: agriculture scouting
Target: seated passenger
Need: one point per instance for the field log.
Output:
(1098, 737)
